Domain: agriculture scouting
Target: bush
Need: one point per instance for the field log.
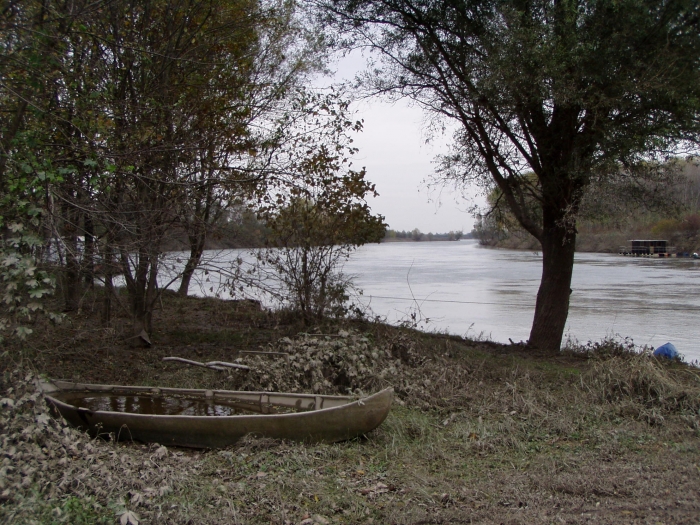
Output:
(666, 227)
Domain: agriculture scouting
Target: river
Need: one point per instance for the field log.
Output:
(465, 289)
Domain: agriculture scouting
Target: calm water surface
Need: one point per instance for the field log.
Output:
(464, 289)
(150, 404)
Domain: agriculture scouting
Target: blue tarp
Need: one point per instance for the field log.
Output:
(668, 351)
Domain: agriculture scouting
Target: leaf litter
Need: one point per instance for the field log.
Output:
(343, 363)
(45, 462)
(429, 460)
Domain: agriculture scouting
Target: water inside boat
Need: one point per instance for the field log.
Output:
(152, 404)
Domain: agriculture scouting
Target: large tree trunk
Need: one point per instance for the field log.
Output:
(72, 285)
(89, 253)
(110, 269)
(142, 288)
(552, 308)
(196, 251)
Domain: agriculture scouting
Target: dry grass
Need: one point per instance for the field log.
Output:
(483, 433)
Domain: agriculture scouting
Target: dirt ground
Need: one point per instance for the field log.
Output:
(479, 432)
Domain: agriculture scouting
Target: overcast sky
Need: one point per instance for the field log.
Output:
(393, 149)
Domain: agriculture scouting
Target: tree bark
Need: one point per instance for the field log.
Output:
(196, 251)
(141, 287)
(110, 267)
(89, 252)
(72, 285)
(552, 307)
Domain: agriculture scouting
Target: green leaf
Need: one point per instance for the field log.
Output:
(22, 332)
(10, 260)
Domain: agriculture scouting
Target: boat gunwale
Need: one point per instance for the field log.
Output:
(305, 413)
(108, 388)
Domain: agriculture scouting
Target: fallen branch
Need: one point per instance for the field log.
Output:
(214, 365)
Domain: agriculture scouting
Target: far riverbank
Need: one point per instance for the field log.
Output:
(596, 242)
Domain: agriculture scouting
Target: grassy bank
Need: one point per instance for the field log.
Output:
(479, 433)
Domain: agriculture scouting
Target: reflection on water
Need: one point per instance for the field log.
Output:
(465, 289)
(150, 404)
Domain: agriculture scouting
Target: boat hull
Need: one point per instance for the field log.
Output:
(337, 418)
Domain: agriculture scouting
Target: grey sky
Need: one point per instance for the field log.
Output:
(398, 160)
